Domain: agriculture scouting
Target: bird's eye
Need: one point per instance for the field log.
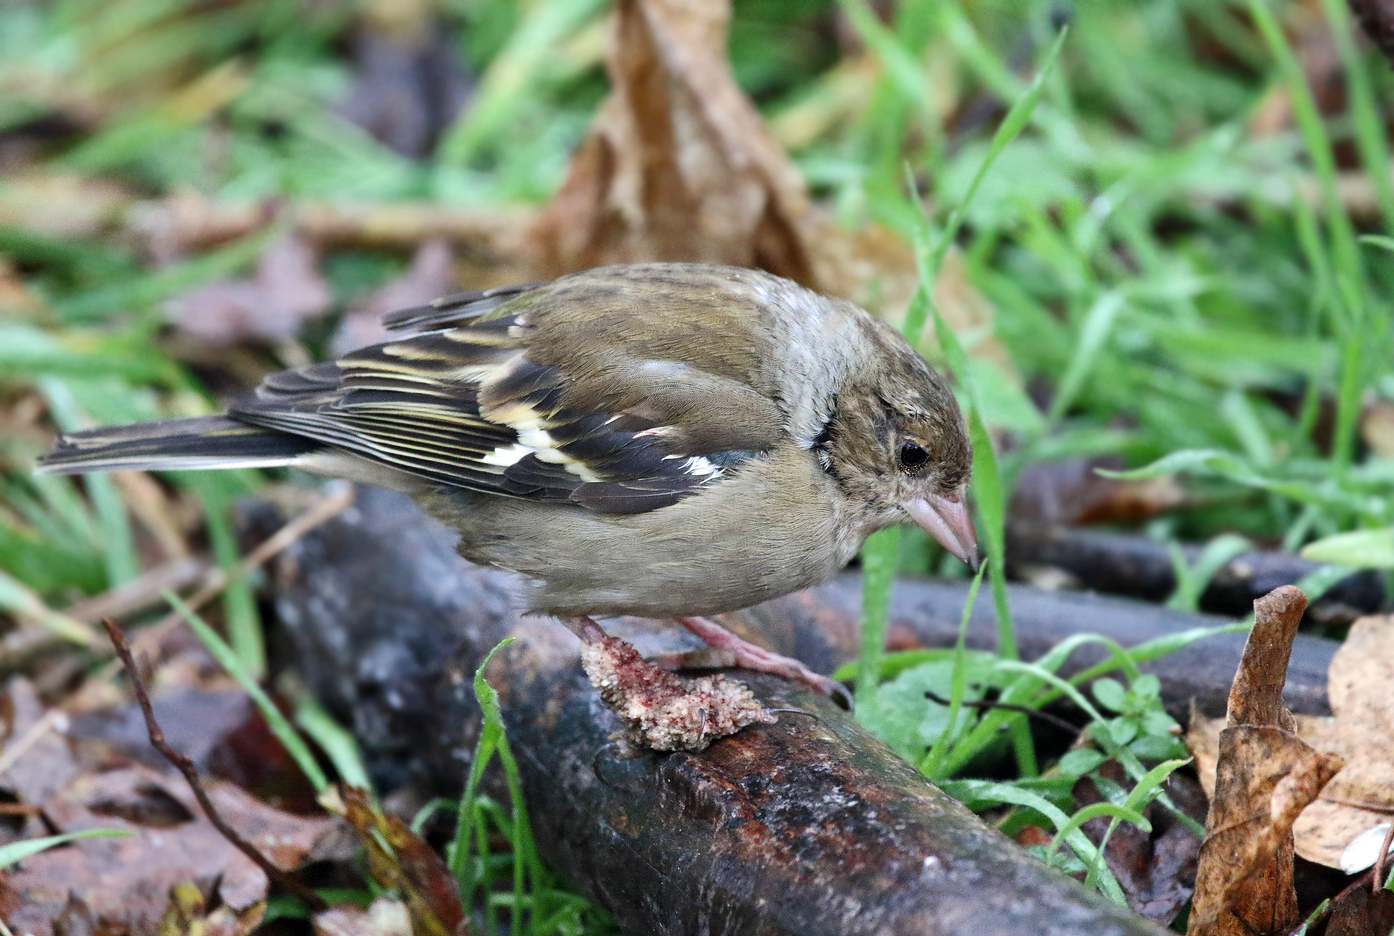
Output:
(912, 457)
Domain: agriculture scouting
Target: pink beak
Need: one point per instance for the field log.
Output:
(946, 519)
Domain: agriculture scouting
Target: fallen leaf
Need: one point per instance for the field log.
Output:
(36, 760)
(401, 861)
(1360, 911)
(218, 728)
(285, 291)
(1361, 797)
(188, 914)
(1071, 492)
(678, 165)
(1156, 869)
(1361, 732)
(1265, 776)
(131, 881)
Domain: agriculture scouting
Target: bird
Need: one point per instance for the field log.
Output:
(665, 440)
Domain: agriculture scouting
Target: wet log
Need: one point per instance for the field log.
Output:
(820, 627)
(807, 826)
(1138, 567)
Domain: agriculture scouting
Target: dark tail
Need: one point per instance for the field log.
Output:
(174, 445)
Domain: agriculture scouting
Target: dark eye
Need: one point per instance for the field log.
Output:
(912, 457)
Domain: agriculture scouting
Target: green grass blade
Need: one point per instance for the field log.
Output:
(278, 723)
(336, 741)
(880, 558)
(15, 852)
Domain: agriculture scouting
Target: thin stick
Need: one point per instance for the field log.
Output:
(186, 767)
(1382, 861)
(295, 528)
(142, 591)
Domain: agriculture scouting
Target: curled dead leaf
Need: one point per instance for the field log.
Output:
(678, 165)
(401, 861)
(1265, 776)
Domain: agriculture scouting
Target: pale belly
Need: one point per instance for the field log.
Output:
(707, 554)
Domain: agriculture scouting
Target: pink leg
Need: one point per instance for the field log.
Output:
(583, 627)
(755, 657)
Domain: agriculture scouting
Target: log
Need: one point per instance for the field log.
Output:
(820, 627)
(1132, 565)
(806, 826)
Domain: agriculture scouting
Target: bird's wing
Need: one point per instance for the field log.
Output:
(489, 400)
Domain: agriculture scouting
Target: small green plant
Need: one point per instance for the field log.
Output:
(537, 905)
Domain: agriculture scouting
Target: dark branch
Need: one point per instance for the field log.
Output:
(186, 767)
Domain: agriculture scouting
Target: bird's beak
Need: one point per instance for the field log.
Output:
(946, 519)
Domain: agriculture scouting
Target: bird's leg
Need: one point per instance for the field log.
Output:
(753, 656)
(662, 710)
(585, 628)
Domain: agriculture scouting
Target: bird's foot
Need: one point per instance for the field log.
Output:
(752, 656)
(664, 711)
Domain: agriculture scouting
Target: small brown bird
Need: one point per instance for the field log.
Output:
(663, 440)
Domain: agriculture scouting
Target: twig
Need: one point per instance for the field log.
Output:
(1382, 861)
(148, 639)
(297, 527)
(186, 767)
(988, 705)
(140, 592)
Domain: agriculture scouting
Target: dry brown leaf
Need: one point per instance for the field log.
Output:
(1155, 867)
(401, 861)
(678, 165)
(1265, 776)
(1361, 796)
(409, 82)
(188, 914)
(284, 292)
(1071, 492)
(1360, 911)
(130, 881)
(35, 759)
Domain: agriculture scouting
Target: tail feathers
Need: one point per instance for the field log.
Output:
(174, 445)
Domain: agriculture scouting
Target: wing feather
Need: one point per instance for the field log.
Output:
(464, 403)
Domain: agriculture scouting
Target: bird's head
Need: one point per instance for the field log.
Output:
(897, 446)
